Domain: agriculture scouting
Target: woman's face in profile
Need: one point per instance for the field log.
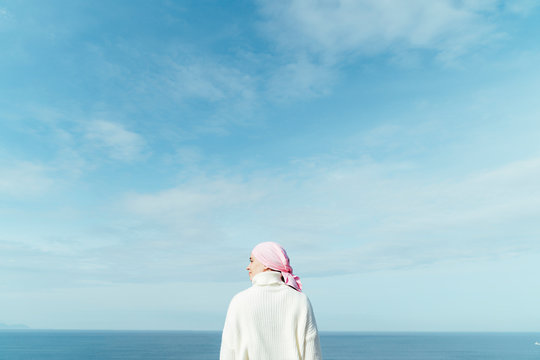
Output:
(255, 267)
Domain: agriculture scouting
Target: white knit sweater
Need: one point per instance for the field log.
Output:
(270, 321)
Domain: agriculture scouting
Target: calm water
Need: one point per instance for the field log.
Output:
(105, 345)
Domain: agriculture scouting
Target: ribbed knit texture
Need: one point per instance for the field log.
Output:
(270, 321)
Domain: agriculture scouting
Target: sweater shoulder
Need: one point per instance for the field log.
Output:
(241, 297)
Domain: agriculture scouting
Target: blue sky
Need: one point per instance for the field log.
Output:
(390, 146)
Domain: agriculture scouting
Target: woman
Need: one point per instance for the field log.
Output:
(273, 319)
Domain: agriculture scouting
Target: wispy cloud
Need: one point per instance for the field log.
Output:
(192, 210)
(229, 91)
(300, 79)
(380, 213)
(315, 39)
(340, 28)
(522, 7)
(358, 216)
(24, 178)
(118, 142)
(3, 13)
(209, 81)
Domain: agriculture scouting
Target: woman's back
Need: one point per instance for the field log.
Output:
(270, 321)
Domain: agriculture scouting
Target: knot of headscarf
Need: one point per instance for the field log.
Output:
(273, 256)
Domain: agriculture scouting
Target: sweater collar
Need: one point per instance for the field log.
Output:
(267, 278)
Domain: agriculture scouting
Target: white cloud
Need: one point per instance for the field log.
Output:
(337, 28)
(229, 91)
(24, 178)
(120, 143)
(192, 209)
(300, 79)
(209, 81)
(358, 216)
(315, 38)
(6, 19)
(3, 13)
(188, 155)
(522, 7)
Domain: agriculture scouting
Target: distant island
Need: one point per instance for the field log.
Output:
(13, 326)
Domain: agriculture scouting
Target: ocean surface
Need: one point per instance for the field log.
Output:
(149, 345)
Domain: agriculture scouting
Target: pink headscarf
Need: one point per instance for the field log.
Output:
(272, 255)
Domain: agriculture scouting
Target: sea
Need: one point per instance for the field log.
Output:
(197, 345)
